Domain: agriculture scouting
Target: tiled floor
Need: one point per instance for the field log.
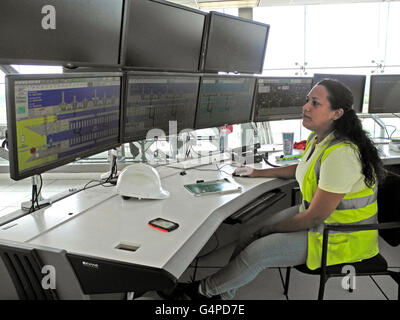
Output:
(267, 285)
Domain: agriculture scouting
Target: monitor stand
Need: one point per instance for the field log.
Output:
(111, 175)
(381, 125)
(39, 202)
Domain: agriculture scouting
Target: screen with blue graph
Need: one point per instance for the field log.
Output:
(54, 120)
(224, 100)
(159, 105)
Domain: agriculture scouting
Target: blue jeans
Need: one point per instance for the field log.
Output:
(257, 252)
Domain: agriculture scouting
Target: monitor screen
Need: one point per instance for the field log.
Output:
(384, 94)
(163, 36)
(224, 100)
(162, 102)
(56, 119)
(356, 84)
(60, 32)
(280, 98)
(234, 44)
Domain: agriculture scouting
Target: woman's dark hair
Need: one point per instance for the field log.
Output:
(349, 128)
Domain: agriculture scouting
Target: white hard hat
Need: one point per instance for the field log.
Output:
(141, 181)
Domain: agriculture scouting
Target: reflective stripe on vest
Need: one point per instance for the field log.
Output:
(357, 203)
(320, 228)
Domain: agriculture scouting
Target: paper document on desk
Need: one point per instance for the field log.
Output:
(213, 187)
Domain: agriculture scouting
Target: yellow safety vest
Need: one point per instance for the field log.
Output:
(353, 209)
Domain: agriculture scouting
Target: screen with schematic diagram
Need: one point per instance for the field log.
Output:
(56, 119)
(279, 98)
(224, 100)
(157, 105)
(384, 93)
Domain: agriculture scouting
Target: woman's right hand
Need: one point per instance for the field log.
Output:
(245, 172)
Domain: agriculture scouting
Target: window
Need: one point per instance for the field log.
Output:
(344, 35)
(285, 45)
(393, 34)
(3, 120)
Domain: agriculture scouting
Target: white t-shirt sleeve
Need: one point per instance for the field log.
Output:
(341, 171)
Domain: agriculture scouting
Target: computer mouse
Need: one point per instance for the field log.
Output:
(242, 171)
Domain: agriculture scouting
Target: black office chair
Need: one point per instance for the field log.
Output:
(24, 267)
(388, 228)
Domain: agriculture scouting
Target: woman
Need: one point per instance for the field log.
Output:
(337, 175)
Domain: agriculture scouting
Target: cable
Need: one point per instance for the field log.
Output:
(40, 189)
(211, 251)
(4, 144)
(219, 168)
(32, 208)
(395, 129)
(35, 196)
(265, 158)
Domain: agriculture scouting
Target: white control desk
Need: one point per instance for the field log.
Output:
(94, 222)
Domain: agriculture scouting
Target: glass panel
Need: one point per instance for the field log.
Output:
(345, 34)
(37, 69)
(277, 127)
(3, 117)
(285, 73)
(2, 76)
(285, 45)
(231, 11)
(393, 44)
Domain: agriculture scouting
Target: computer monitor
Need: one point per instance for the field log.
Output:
(384, 94)
(158, 101)
(279, 98)
(60, 32)
(234, 44)
(224, 100)
(163, 36)
(355, 82)
(56, 119)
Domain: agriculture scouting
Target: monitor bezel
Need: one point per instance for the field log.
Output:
(371, 88)
(333, 75)
(125, 139)
(286, 116)
(125, 36)
(15, 174)
(206, 37)
(224, 76)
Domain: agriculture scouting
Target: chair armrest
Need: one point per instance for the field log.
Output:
(293, 195)
(374, 226)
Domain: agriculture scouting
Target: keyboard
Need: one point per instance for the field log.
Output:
(256, 207)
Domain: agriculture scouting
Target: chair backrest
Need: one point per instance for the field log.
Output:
(24, 267)
(389, 207)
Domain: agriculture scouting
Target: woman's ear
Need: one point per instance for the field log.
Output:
(338, 113)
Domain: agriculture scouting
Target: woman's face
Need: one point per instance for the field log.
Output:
(317, 113)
